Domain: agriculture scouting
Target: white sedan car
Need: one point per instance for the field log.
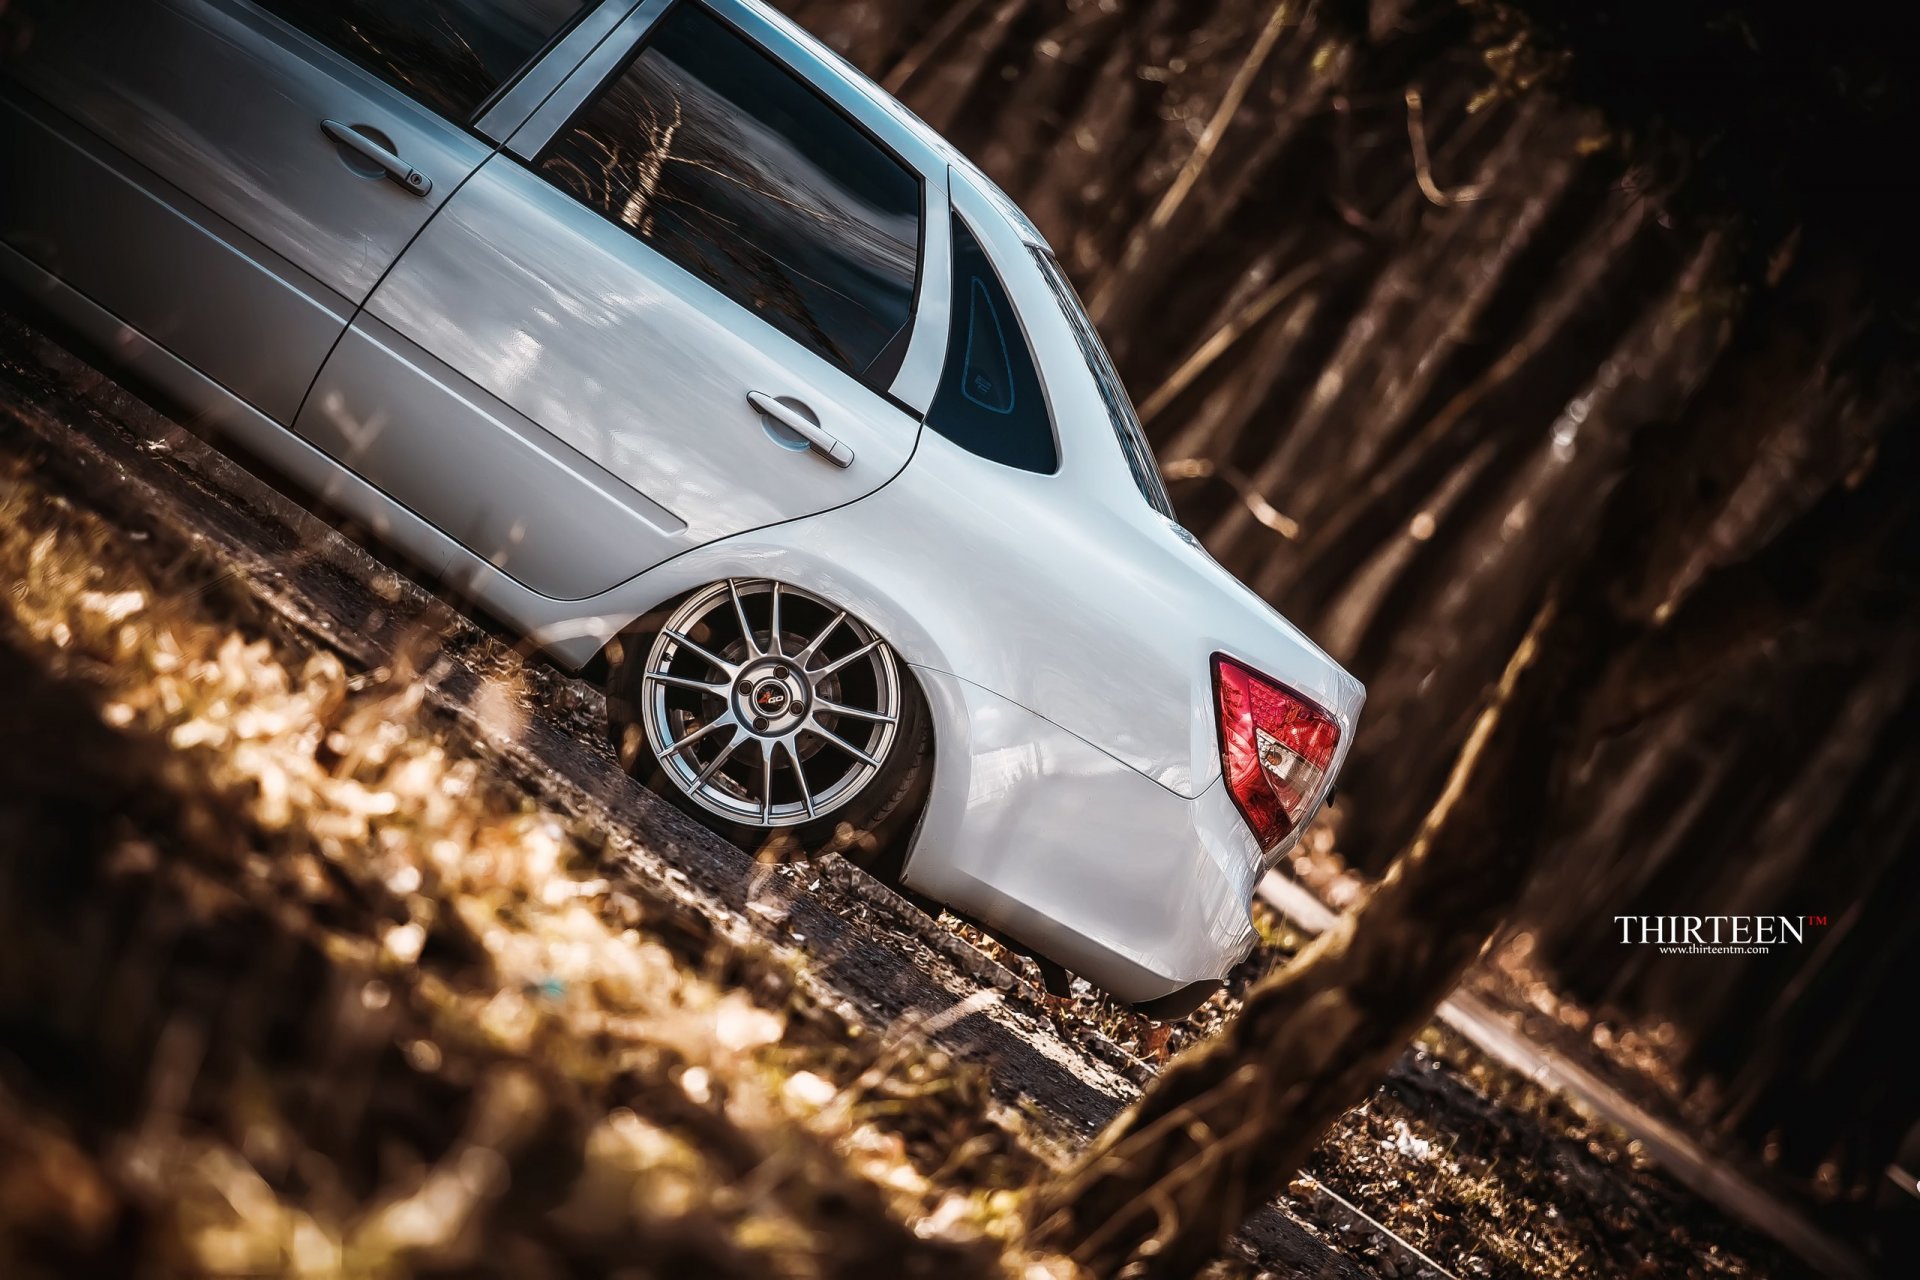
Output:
(683, 349)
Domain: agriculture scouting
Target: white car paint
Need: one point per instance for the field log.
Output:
(1061, 629)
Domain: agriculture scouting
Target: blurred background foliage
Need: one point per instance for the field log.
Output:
(1393, 284)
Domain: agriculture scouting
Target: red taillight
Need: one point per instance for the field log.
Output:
(1275, 747)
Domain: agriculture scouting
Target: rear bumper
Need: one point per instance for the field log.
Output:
(1080, 857)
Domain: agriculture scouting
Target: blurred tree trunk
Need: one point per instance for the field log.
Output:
(1221, 1130)
(1390, 320)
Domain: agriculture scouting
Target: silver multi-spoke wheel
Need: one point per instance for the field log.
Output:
(766, 705)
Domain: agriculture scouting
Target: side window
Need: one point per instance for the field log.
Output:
(990, 401)
(451, 55)
(723, 160)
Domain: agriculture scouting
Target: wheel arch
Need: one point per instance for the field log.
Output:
(883, 606)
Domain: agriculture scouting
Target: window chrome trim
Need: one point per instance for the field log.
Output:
(582, 82)
(522, 97)
(918, 378)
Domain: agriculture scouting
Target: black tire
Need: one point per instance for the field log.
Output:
(1176, 1005)
(872, 829)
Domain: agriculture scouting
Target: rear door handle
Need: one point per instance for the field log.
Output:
(818, 439)
(409, 178)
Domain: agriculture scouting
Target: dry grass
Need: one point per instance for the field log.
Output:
(373, 1012)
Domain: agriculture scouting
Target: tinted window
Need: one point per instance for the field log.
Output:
(1126, 423)
(719, 157)
(990, 401)
(449, 54)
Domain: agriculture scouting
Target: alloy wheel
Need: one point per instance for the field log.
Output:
(766, 705)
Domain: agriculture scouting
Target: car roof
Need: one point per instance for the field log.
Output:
(857, 82)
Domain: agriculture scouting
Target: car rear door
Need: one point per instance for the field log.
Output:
(702, 290)
(233, 178)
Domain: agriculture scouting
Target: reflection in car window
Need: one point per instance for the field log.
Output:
(449, 54)
(989, 401)
(1126, 423)
(722, 159)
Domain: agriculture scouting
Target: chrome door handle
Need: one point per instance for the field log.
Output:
(409, 178)
(819, 440)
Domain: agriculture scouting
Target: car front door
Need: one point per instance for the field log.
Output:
(702, 290)
(233, 178)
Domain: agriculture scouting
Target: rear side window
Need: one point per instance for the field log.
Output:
(451, 55)
(720, 158)
(990, 401)
(1113, 393)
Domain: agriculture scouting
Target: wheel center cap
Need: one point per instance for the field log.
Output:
(771, 698)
